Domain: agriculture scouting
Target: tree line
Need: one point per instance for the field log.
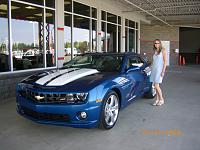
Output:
(82, 46)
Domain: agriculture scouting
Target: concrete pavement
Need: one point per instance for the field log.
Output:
(140, 126)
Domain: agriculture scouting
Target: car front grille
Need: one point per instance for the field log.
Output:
(44, 116)
(41, 97)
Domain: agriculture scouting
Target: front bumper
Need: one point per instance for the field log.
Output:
(60, 114)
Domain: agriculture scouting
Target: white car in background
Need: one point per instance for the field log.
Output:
(17, 53)
(68, 51)
(31, 52)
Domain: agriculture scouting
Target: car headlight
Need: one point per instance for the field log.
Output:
(74, 97)
(81, 96)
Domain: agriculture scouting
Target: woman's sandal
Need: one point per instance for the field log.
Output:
(156, 102)
(161, 102)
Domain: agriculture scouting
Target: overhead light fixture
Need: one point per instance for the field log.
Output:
(30, 17)
(67, 2)
(3, 13)
(40, 15)
(30, 7)
(79, 18)
(14, 7)
(3, 7)
(109, 16)
(47, 15)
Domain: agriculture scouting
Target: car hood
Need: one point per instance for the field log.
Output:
(73, 79)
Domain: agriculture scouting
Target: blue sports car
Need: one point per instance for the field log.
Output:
(87, 91)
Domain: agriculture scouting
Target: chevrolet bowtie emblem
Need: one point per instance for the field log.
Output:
(39, 97)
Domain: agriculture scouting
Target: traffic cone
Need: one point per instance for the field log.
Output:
(180, 61)
(197, 59)
(183, 60)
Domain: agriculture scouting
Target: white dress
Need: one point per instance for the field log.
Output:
(156, 68)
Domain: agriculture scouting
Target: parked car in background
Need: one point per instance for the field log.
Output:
(17, 54)
(87, 91)
(68, 51)
(32, 52)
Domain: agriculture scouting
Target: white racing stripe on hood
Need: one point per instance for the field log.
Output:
(47, 78)
(71, 76)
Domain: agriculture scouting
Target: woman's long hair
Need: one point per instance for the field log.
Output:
(160, 47)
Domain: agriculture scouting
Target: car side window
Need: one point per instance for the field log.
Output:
(134, 61)
(84, 60)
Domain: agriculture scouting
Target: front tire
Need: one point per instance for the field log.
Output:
(110, 111)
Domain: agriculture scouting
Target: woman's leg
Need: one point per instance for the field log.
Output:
(159, 92)
(157, 96)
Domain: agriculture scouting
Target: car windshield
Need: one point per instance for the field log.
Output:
(104, 63)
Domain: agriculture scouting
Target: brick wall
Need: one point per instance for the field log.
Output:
(149, 33)
(7, 88)
(8, 84)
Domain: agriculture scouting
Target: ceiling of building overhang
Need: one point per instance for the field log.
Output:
(171, 12)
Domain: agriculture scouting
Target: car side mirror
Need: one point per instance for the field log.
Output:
(146, 59)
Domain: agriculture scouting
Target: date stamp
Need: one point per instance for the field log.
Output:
(169, 132)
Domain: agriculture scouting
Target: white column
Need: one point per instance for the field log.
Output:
(123, 35)
(10, 36)
(90, 32)
(60, 32)
(99, 30)
(139, 37)
(44, 33)
(117, 38)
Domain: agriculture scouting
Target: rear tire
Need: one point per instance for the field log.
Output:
(151, 93)
(110, 111)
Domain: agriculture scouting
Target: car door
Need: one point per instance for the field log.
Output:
(146, 71)
(134, 73)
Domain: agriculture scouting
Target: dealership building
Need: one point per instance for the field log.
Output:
(43, 34)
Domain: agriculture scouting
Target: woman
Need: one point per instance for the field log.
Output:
(158, 70)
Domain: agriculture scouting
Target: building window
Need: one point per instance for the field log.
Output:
(68, 5)
(94, 35)
(50, 38)
(136, 39)
(50, 3)
(103, 37)
(111, 18)
(103, 15)
(119, 20)
(31, 35)
(67, 36)
(81, 9)
(119, 38)
(4, 47)
(27, 42)
(136, 42)
(94, 12)
(131, 40)
(80, 29)
(131, 36)
(111, 37)
(110, 32)
(81, 32)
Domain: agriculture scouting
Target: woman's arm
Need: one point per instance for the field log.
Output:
(165, 62)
